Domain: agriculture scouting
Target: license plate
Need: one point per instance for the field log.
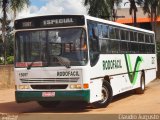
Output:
(48, 94)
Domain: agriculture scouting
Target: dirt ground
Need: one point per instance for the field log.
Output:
(126, 103)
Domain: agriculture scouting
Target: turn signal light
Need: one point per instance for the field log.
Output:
(85, 86)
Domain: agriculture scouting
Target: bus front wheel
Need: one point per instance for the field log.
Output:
(106, 96)
(49, 104)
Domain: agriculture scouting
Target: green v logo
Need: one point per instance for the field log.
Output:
(133, 73)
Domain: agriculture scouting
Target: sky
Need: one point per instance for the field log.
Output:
(53, 7)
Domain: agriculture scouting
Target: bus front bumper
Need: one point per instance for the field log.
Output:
(26, 96)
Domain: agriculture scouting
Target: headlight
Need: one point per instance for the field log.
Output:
(23, 87)
(75, 86)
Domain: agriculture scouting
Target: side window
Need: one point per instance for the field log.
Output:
(100, 31)
(117, 33)
(134, 47)
(123, 34)
(153, 49)
(114, 46)
(140, 37)
(150, 48)
(142, 48)
(112, 34)
(152, 38)
(123, 47)
(93, 42)
(147, 39)
(135, 36)
(131, 36)
(127, 35)
(104, 46)
(105, 31)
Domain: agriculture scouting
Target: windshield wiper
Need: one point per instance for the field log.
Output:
(30, 65)
(63, 61)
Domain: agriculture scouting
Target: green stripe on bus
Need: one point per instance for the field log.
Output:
(133, 73)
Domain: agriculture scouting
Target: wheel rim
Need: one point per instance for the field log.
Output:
(105, 95)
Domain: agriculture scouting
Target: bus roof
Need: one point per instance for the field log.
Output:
(94, 19)
(117, 24)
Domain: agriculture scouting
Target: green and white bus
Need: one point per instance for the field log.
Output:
(80, 58)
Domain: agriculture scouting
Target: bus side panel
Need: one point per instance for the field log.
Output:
(117, 83)
(150, 75)
(149, 66)
(95, 90)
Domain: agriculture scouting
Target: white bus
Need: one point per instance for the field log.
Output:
(80, 58)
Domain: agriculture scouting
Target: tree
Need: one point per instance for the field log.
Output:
(101, 8)
(113, 12)
(152, 7)
(133, 9)
(6, 5)
(18, 5)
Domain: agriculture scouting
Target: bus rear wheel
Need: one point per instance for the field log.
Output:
(49, 104)
(141, 89)
(106, 96)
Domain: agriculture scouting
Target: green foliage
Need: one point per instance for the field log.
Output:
(101, 8)
(6, 6)
(158, 50)
(10, 60)
(9, 44)
(1, 61)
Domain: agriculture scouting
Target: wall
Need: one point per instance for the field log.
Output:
(6, 76)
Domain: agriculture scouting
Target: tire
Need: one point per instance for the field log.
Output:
(107, 96)
(49, 104)
(141, 89)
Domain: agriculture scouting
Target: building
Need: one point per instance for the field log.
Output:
(143, 21)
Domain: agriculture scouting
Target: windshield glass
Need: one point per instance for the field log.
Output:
(60, 47)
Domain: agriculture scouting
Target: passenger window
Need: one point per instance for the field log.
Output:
(114, 46)
(147, 39)
(142, 48)
(127, 35)
(140, 37)
(112, 34)
(123, 47)
(100, 31)
(105, 31)
(153, 49)
(152, 38)
(123, 34)
(135, 36)
(134, 47)
(117, 33)
(104, 46)
(131, 36)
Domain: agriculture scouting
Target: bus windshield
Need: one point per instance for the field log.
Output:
(56, 47)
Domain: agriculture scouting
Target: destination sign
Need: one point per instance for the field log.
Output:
(57, 21)
(50, 21)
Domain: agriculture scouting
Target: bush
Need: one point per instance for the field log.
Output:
(10, 60)
(158, 50)
(1, 60)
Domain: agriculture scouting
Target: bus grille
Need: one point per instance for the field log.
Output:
(49, 80)
(49, 86)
